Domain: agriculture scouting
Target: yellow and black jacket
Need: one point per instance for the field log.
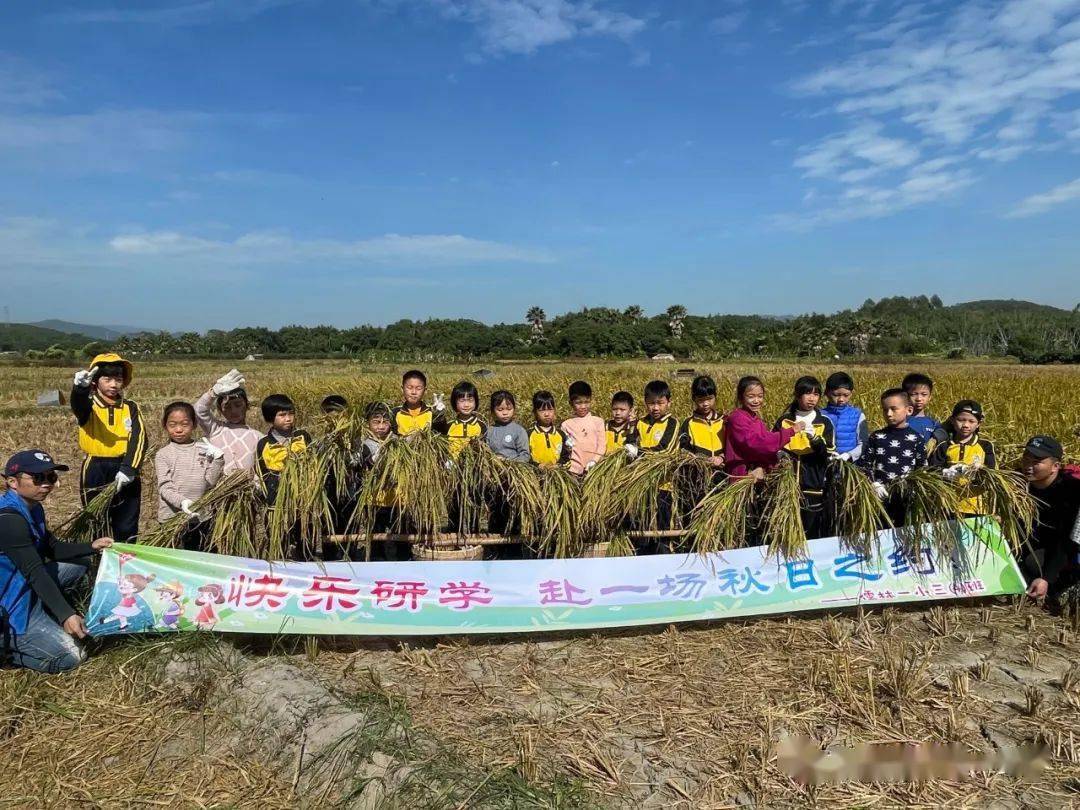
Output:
(270, 456)
(810, 455)
(548, 446)
(109, 430)
(615, 435)
(654, 434)
(459, 432)
(703, 436)
(975, 450)
(404, 421)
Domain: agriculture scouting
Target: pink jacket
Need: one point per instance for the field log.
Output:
(748, 443)
(590, 441)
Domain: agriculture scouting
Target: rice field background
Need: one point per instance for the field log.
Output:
(682, 716)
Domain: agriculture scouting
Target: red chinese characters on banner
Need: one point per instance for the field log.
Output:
(329, 594)
(264, 592)
(398, 595)
(462, 595)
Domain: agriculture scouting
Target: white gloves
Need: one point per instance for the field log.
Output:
(880, 490)
(953, 472)
(631, 450)
(206, 449)
(438, 404)
(590, 465)
(83, 377)
(185, 507)
(123, 479)
(229, 382)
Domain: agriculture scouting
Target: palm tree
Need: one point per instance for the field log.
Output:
(536, 316)
(676, 315)
(634, 312)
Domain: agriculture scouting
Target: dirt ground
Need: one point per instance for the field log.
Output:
(684, 716)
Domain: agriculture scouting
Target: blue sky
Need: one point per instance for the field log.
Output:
(189, 164)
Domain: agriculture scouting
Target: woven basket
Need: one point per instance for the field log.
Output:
(435, 554)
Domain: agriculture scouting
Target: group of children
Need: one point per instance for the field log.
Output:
(808, 435)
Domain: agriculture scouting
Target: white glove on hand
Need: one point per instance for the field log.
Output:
(208, 450)
(83, 377)
(880, 490)
(449, 464)
(631, 450)
(229, 382)
(438, 404)
(185, 507)
(834, 456)
(590, 465)
(123, 479)
(807, 427)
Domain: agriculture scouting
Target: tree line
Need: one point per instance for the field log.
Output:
(917, 325)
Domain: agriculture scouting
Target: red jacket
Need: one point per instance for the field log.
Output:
(748, 443)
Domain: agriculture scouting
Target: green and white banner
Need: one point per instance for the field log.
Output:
(142, 589)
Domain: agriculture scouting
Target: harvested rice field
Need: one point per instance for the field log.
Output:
(679, 716)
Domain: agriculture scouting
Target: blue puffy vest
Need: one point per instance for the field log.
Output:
(845, 419)
(14, 589)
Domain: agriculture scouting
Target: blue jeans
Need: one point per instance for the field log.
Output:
(46, 646)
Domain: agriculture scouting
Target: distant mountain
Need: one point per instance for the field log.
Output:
(1010, 305)
(21, 337)
(96, 332)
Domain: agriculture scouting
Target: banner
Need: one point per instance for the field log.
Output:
(142, 589)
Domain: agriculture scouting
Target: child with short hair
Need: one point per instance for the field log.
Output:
(112, 435)
(963, 451)
(466, 426)
(281, 441)
(849, 423)
(229, 431)
(548, 445)
(333, 405)
(657, 431)
(920, 390)
(387, 512)
(621, 423)
(510, 441)
(809, 451)
(702, 433)
(893, 452)
(186, 470)
(587, 432)
(413, 414)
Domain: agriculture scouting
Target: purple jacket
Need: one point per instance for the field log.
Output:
(748, 443)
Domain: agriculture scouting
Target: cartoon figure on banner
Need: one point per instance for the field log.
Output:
(207, 597)
(172, 593)
(130, 606)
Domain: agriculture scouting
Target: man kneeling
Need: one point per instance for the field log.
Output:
(38, 627)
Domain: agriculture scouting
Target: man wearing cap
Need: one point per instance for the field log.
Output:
(38, 626)
(1050, 564)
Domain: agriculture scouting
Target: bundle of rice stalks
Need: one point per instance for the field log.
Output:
(417, 469)
(475, 473)
(636, 496)
(92, 521)
(337, 449)
(600, 511)
(237, 509)
(857, 510)
(521, 486)
(301, 512)
(559, 534)
(1004, 495)
(722, 519)
(930, 502)
(781, 519)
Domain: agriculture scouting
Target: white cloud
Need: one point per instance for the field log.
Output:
(24, 86)
(728, 23)
(177, 14)
(525, 26)
(1041, 203)
(967, 86)
(275, 247)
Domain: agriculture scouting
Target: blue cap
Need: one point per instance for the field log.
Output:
(32, 461)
